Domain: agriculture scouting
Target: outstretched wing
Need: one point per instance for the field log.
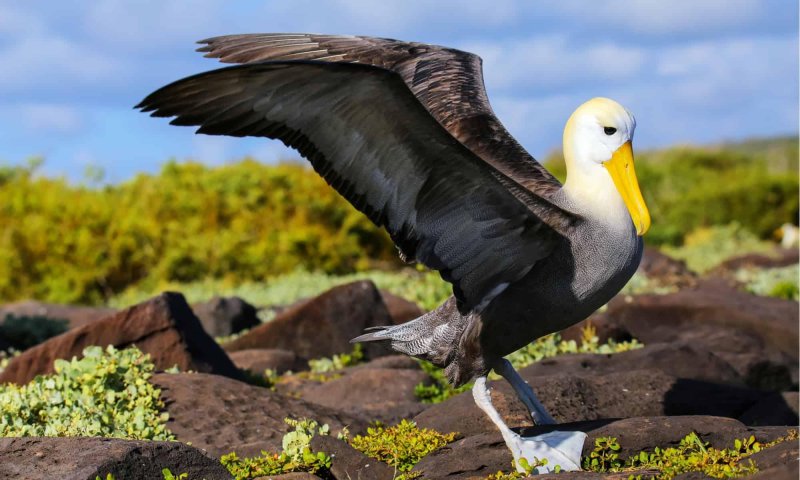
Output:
(448, 82)
(367, 135)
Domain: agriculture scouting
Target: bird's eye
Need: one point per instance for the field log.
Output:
(610, 130)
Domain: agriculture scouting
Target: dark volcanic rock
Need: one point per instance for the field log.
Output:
(221, 415)
(773, 409)
(473, 457)
(400, 309)
(384, 394)
(256, 360)
(163, 326)
(665, 318)
(779, 462)
(46, 458)
(324, 325)
(222, 316)
(781, 257)
(76, 316)
(666, 270)
(571, 398)
(348, 463)
(678, 359)
(290, 476)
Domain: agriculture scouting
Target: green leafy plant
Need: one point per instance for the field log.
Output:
(691, 455)
(545, 347)
(401, 446)
(295, 457)
(168, 475)
(337, 362)
(24, 332)
(779, 282)
(527, 467)
(106, 393)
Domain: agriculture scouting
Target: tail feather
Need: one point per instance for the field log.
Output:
(376, 333)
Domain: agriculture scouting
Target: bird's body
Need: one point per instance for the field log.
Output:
(585, 270)
(405, 132)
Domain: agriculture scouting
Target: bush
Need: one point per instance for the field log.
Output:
(105, 393)
(23, 332)
(401, 446)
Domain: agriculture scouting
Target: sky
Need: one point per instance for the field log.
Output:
(691, 71)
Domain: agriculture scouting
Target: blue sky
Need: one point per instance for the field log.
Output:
(696, 71)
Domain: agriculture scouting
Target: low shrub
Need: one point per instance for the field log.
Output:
(106, 393)
(23, 332)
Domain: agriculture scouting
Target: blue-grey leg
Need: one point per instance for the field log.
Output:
(525, 393)
(558, 448)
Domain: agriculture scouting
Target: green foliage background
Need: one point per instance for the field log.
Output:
(248, 222)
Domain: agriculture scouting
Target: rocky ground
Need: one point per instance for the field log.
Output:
(717, 361)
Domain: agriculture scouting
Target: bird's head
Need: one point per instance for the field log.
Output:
(599, 155)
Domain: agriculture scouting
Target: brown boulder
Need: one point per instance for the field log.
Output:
(778, 462)
(665, 270)
(256, 360)
(664, 318)
(400, 309)
(383, 394)
(780, 257)
(75, 458)
(163, 326)
(571, 398)
(223, 316)
(222, 415)
(348, 463)
(75, 315)
(678, 359)
(323, 326)
(474, 457)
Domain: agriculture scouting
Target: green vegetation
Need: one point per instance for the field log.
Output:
(691, 455)
(105, 393)
(427, 288)
(295, 457)
(167, 474)
(705, 248)
(401, 446)
(24, 332)
(545, 347)
(774, 282)
(337, 362)
(241, 225)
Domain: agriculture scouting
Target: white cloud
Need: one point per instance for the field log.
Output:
(548, 61)
(38, 61)
(659, 16)
(47, 118)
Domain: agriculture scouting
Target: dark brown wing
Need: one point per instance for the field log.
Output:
(369, 137)
(448, 82)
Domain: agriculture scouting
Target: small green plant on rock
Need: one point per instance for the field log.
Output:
(401, 446)
(527, 467)
(337, 362)
(691, 455)
(295, 457)
(106, 394)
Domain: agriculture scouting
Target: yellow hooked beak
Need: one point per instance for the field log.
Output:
(621, 169)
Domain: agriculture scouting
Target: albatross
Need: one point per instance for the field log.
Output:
(404, 131)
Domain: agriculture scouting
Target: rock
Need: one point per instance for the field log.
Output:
(221, 415)
(256, 360)
(348, 463)
(382, 394)
(571, 398)
(75, 458)
(678, 359)
(400, 362)
(780, 461)
(163, 326)
(324, 325)
(75, 316)
(223, 316)
(778, 258)
(477, 456)
(400, 309)
(664, 318)
(604, 326)
(773, 409)
(474, 457)
(666, 270)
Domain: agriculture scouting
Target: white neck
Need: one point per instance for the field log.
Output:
(589, 187)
